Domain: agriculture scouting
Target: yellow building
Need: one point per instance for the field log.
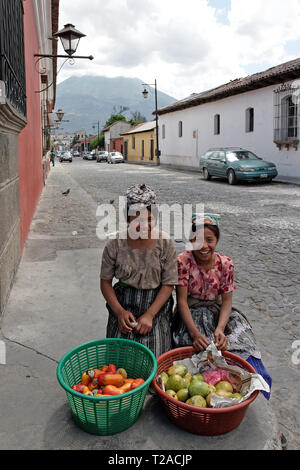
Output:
(140, 143)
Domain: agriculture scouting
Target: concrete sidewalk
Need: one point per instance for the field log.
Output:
(55, 304)
(287, 179)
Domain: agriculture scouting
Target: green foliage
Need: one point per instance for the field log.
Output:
(97, 142)
(113, 118)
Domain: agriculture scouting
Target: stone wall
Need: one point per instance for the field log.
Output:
(11, 123)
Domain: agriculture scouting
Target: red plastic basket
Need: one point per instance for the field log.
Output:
(203, 421)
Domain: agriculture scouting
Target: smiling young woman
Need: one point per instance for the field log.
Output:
(204, 299)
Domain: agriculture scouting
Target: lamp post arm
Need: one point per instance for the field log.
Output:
(51, 56)
(157, 137)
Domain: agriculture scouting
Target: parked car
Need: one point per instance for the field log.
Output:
(88, 156)
(102, 156)
(115, 157)
(236, 164)
(65, 156)
(76, 153)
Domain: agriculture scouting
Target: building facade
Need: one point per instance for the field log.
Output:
(260, 113)
(25, 27)
(140, 143)
(113, 135)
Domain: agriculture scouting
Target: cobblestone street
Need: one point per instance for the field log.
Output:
(260, 231)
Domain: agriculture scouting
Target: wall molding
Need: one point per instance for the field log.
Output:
(11, 121)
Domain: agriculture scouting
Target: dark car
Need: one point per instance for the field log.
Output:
(236, 164)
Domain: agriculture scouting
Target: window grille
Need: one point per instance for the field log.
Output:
(287, 114)
(12, 60)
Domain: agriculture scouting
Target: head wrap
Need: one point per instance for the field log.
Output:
(140, 194)
(201, 219)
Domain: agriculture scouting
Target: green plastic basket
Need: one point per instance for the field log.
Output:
(107, 415)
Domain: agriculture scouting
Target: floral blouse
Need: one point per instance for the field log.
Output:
(205, 285)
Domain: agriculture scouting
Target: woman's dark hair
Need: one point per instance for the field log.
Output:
(213, 228)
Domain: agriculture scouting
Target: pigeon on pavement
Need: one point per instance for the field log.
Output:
(65, 193)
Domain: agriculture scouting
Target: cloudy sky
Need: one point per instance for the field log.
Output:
(188, 46)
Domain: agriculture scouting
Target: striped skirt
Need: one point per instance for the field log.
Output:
(137, 301)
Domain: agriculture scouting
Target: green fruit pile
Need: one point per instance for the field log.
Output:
(192, 389)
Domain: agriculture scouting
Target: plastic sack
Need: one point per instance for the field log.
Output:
(215, 376)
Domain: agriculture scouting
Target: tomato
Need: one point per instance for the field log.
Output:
(112, 369)
(98, 372)
(128, 381)
(112, 379)
(104, 368)
(112, 390)
(136, 383)
(79, 388)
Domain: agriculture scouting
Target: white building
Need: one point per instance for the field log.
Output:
(260, 112)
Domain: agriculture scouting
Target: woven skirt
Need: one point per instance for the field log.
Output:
(137, 301)
(240, 336)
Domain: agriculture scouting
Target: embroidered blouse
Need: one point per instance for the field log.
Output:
(205, 285)
(142, 269)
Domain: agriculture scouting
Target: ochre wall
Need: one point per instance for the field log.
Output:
(135, 155)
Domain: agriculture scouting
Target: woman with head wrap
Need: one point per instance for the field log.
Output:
(144, 262)
(204, 298)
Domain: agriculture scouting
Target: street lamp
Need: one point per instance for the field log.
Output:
(94, 127)
(60, 114)
(70, 38)
(145, 94)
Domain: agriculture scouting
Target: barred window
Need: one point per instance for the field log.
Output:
(12, 59)
(286, 114)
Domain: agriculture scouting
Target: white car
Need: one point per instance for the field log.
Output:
(76, 154)
(88, 156)
(102, 156)
(115, 157)
(65, 156)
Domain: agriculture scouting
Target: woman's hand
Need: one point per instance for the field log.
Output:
(220, 339)
(200, 342)
(144, 324)
(125, 320)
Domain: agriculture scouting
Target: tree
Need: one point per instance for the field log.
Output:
(97, 143)
(138, 117)
(75, 140)
(113, 118)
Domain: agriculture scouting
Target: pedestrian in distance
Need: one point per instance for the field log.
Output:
(52, 158)
(204, 299)
(140, 304)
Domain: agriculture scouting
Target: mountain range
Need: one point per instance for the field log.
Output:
(88, 99)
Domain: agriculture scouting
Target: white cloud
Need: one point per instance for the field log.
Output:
(182, 44)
